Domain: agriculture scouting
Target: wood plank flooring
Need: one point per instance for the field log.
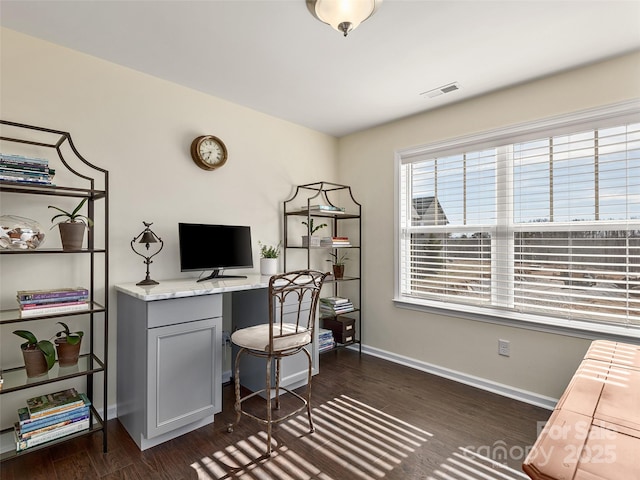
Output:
(374, 420)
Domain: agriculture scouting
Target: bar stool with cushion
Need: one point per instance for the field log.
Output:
(293, 298)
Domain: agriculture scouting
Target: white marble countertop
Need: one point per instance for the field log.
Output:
(189, 287)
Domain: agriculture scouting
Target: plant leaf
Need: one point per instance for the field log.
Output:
(49, 351)
(74, 338)
(77, 209)
(65, 326)
(63, 214)
(27, 335)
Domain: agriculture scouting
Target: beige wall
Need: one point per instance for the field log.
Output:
(140, 129)
(541, 363)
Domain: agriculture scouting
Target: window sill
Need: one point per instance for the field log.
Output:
(571, 328)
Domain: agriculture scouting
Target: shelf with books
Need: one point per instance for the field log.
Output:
(7, 436)
(322, 248)
(320, 213)
(333, 315)
(337, 208)
(13, 316)
(80, 179)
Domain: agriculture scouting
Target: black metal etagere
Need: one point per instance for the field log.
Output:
(346, 218)
(95, 189)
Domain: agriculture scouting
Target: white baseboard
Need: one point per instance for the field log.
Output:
(481, 383)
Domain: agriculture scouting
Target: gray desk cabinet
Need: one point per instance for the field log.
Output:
(169, 365)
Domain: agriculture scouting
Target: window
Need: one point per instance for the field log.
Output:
(531, 223)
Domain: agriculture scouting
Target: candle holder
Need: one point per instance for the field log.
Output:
(147, 237)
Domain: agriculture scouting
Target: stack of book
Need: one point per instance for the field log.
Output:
(325, 208)
(333, 306)
(335, 242)
(325, 340)
(52, 416)
(34, 303)
(19, 169)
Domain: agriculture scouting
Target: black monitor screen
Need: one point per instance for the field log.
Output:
(214, 247)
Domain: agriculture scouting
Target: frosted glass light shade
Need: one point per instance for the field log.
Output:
(343, 15)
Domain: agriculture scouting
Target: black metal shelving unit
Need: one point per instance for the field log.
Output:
(91, 366)
(300, 208)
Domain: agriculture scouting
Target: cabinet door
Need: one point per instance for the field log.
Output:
(184, 374)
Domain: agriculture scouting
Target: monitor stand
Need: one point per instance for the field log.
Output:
(216, 275)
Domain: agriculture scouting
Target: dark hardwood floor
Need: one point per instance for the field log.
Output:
(374, 420)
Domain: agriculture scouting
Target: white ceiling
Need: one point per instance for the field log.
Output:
(274, 57)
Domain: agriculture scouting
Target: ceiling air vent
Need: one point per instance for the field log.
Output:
(451, 87)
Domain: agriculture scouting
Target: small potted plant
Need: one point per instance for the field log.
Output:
(309, 240)
(39, 355)
(269, 259)
(68, 346)
(72, 227)
(338, 262)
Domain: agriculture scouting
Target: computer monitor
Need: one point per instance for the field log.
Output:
(214, 247)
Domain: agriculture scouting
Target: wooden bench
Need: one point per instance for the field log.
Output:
(594, 431)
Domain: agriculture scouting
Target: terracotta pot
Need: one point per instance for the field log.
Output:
(72, 235)
(34, 362)
(67, 353)
(338, 271)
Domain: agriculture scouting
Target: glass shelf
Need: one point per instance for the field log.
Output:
(16, 378)
(37, 251)
(321, 213)
(55, 190)
(7, 437)
(13, 316)
(322, 316)
(339, 346)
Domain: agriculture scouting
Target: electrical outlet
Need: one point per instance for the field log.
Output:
(503, 348)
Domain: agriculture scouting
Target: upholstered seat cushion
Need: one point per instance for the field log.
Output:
(257, 337)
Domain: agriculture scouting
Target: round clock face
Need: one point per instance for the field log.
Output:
(208, 152)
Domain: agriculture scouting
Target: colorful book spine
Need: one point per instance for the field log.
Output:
(28, 174)
(49, 301)
(21, 158)
(24, 435)
(52, 435)
(326, 208)
(24, 167)
(43, 306)
(9, 178)
(334, 300)
(27, 424)
(336, 310)
(36, 312)
(56, 293)
(57, 402)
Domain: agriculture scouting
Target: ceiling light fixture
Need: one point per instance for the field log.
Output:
(343, 15)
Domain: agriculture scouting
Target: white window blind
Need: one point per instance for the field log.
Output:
(547, 226)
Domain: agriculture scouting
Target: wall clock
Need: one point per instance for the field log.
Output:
(208, 152)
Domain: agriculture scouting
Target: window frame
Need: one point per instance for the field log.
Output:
(601, 117)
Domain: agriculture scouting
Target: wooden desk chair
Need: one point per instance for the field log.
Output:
(293, 300)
